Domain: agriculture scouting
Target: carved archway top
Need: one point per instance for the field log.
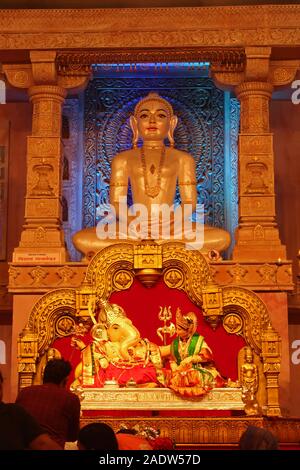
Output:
(56, 313)
(109, 272)
(46, 310)
(100, 270)
(251, 309)
(191, 266)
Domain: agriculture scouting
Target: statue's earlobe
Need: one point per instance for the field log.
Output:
(135, 132)
(173, 124)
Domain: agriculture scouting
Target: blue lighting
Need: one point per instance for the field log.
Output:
(188, 69)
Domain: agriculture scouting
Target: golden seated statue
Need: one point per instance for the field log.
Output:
(118, 356)
(153, 171)
(117, 353)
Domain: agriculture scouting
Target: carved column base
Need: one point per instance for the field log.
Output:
(257, 236)
(259, 241)
(41, 245)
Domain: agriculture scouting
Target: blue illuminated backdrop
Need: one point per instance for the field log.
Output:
(207, 128)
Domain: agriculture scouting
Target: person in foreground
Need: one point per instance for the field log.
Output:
(97, 436)
(19, 430)
(56, 409)
(129, 439)
(255, 438)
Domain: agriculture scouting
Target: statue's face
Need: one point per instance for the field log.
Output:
(183, 333)
(249, 357)
(153, 120)
(115, 333)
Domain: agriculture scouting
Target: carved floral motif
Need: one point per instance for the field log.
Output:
(170, 27)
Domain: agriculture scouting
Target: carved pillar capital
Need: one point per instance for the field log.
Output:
(43, 67)
(74, 81)
(37, 92)
(19, 75)
(246, 89)
(257, 63)
(227, 80)
(47, 101)
(254, 98)
(283, 72)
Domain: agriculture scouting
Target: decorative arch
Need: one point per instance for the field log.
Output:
(193, 273)
(181, 269)
(256, 327)
(252, 311)
(46, 311)
(239, 310)
(52, 315)
(105, 266)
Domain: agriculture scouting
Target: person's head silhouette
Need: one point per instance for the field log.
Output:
(255, 438)
(97, 436)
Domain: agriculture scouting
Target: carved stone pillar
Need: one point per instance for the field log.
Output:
(42, 238)
(271, 356)
(42, 230)
(27, 356)
(257, 235)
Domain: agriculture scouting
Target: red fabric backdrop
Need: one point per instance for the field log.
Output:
(142, 306)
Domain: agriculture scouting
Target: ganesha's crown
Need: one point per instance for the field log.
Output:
(113, 312)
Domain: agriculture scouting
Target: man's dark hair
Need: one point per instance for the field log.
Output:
(255, 438)
(56, 371)
(98, 436)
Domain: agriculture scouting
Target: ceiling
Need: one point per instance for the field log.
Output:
(22, 56)
(131, 3)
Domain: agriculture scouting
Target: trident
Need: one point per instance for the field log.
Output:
(165, 315)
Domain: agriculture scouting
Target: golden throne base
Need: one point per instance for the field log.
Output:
(136, 398)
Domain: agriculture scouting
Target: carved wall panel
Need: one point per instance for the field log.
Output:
(72, 176)
(3, 187)
(150, 28)
(232, 217)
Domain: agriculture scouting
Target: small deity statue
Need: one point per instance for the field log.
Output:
(192, 369)
(52, 353)
(117, 353)
(153, 171)
(249, 383)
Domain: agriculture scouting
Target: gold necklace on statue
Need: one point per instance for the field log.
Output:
(183, 348)
(153, 191)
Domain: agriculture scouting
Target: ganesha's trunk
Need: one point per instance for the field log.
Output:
(132, 338)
